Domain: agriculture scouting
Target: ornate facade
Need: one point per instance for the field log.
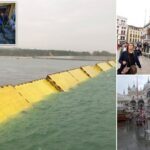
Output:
(135, 98)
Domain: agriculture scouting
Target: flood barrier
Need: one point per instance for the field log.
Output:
(92, 71)
(11, 102)
(63, 80)
(36, 90)
(104, 66)
(112, 63)
(18, 98)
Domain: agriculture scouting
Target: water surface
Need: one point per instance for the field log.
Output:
(82, 119)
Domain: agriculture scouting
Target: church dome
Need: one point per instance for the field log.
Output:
(133, 89)
(147, 85)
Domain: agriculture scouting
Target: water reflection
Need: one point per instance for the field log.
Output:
(132, 137)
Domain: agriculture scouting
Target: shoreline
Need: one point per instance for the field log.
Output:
(73, 58)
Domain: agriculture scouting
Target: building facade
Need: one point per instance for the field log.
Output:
(121, 30)
(134, 34)
(146, 33)
(135, 98)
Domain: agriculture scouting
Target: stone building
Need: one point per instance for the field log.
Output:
(134, 34)
(121, 30)
(135, 98)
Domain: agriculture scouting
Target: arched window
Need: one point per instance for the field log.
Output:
(133, 103)
(141, 103)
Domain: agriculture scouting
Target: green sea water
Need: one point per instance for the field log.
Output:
(81, 119)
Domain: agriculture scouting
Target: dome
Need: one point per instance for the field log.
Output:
(147, 85)
(133, 89)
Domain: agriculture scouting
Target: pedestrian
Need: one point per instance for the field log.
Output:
(1, 22)
(128, 60)
(145, 45)
(138, 51)
(1, 25)
(5, 18)
(2, 16)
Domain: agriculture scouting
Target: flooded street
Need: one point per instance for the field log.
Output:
(132, 137)
(15, 70)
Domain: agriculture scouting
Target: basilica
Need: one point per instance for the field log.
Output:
(135, 97)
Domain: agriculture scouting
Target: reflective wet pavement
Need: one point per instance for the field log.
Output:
(145, 62)
(131, 137)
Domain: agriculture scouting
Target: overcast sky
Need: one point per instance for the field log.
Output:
(83, 25)
(124, 81)
(134, 10)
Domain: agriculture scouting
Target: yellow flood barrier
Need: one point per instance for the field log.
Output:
(104, 66)
(79, 75)
(63, 80)
(92, 71)
(36, 90)
(14, 99)
(11, 102)
(112, 63)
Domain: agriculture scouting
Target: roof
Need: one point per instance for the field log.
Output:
(123, 97)
(147, 25)
(120, 17)
(134, 27)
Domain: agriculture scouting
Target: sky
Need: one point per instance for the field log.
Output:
(80, 25)
(124, 81)
(134, 11)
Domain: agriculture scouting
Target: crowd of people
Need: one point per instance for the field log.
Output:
(139, 117)
(129, 58)
(7, 27)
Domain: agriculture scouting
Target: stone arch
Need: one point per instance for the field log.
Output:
(133, 103)
(141, 103)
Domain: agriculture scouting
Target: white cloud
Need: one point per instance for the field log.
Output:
(134, 10)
